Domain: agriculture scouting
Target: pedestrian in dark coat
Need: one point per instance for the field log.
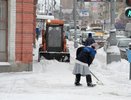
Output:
(37, 33)
(84, 58)
(90, 40)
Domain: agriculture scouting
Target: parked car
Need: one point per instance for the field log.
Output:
(72, 32)
(100, 40)
(98, 31)
(123, 45)
(118, 37)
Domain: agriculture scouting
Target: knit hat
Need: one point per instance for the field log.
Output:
(90, 35)
(95, 46)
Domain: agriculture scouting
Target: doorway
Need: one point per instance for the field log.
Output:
(3, 30)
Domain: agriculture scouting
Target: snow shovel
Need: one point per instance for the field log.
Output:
(98, 81)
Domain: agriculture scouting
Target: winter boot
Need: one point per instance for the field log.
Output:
(78, 84)
(77, 80)
(88, 78)
(89, 81)
(91, 85)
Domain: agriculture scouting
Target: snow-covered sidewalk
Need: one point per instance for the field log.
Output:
(53, 80)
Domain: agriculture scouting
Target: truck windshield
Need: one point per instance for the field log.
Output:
(54, 37)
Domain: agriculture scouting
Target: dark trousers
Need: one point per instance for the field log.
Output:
(88, 78)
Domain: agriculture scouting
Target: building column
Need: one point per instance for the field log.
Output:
(11, 30)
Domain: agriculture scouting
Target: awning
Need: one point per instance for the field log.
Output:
(44, 17)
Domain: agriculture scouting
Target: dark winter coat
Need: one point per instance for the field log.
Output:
(90, 40)
(86, 55)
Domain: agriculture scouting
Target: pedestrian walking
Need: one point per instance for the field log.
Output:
(90, 40)
(84, 58)
(37, 33)
(37, 30)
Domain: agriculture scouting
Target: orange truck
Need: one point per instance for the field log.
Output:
(54, 44)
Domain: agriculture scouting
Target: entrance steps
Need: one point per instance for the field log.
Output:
(4, 66)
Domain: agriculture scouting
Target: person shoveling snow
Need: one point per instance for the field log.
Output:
(84, 58)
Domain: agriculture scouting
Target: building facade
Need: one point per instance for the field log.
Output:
(66, 9)
(17, 30)
(66, 4)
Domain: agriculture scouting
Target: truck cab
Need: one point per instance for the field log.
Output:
(54, 42)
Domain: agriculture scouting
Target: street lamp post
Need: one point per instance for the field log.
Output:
(112, 42)
(74, 17)
(112, 12)
(60, 14)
